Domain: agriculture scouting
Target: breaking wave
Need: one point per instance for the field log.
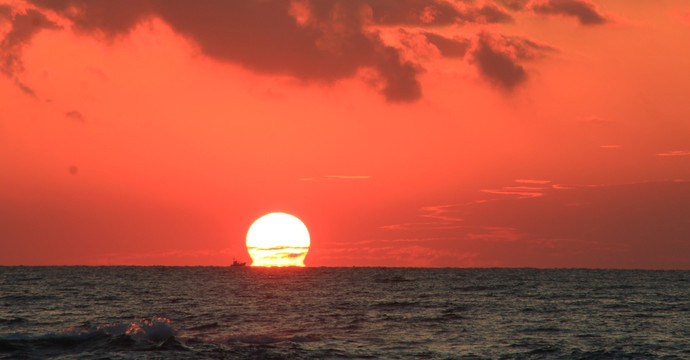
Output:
(141, 335)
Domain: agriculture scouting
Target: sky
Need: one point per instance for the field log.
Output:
(439, 133)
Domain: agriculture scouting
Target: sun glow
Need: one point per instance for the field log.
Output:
(278, 239)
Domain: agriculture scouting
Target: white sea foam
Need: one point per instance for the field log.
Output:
(155, 329)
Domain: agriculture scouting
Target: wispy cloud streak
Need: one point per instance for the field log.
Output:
(675, 153)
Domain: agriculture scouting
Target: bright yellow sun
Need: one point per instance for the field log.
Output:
(278, 239)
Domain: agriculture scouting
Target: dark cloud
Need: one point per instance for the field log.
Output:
(24, 88)
(526, 49)
(75, 115)
(403, 12)
(448, 47)
(585, 11)
(490, 13)
(5, 12)
(412, 12)
(401, 78)
(316, 41)
(328, 44)
(24, 27)
(514, 5)
(496, 63)
(108, 17)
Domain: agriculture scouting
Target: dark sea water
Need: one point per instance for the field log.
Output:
(342, 313)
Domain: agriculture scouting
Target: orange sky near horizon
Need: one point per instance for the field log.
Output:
(516, 133)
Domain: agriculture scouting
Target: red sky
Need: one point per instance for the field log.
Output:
(544, 133)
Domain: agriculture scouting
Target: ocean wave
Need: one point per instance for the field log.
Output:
(204, 327)
(144, 334)
(12, 321)
(260, 339)
(257, 339)
(25, 298)
(156, 329)
(342, 314)
(392, 279)
(304, 338)
(396, 304)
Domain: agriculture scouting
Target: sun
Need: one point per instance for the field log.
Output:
(278, 239)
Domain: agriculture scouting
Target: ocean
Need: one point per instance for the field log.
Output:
(115, 312)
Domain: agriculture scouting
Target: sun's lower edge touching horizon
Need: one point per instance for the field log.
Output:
(278, 240)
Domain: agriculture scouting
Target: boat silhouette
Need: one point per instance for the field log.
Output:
(236, 263)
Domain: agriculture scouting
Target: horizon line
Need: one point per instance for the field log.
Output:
(364, 267)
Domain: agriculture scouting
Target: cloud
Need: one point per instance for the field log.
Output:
(526, 49)
(24, 88)
(437, 217)
(675, 153)
(315, 41)
(5, 12)
(532, 181)
(75, 115)
(514, 5)
(585, 11)
(440, 213)
(525, 189)
(428, 256)
(521, 193)
(640, 225)
(291, 249)
(320, 41)
(24, 25)
(649, 221)
(454, 48)
(494, 234)
(421, 254)
(497, 63)
(490, 13)
(637, 225)
(401, 12)
(418, 12)
(434, 225)
(400, 79)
